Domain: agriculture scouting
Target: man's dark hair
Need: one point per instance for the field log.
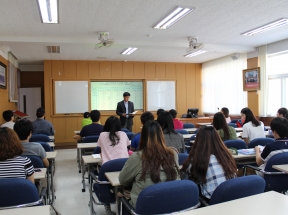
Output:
(280, 125)
(159, 111)
(40, 112)
(166, 122)
(7, 115)
(283, 111)
(86, 115)
(146, 116)
(23, 128)
(173, 113)
(95, 115)
(126, 94)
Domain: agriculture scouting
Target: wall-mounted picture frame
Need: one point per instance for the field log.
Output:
(3, 76)
(251, 79)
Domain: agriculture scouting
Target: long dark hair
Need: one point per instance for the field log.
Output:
(166, 122)
(249, 117)
(219, 122)
(112, 125)
(207, 143)
(155, 154)
(225, 111)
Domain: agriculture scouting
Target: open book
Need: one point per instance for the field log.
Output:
(96, 156)
(133, 112)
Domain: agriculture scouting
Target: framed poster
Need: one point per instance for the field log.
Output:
(251, 79)
(3, 74)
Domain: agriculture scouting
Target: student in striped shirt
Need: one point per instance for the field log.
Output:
(12, 165)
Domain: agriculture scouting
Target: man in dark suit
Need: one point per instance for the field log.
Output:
(124, 110)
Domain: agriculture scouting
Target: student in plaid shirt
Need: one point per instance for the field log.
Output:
(209, 163)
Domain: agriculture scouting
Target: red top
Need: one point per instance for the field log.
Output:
(177, 124)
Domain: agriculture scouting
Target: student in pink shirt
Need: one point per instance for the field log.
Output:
(177, 123)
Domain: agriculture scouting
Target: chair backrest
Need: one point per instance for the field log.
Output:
(237, 144)
(181, 131)
(235, 120)
(125, 130)
(260, 141)
(35, 160)
(16, 192)
(97, 150)
(182, 157)
(39, 137)
(46, 146)
(234, 125)
(238, 188)
(91, 139)
(130, 135)
(167, 197)
(188, 125)
(277, 183)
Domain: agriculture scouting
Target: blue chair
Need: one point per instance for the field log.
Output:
(46, 146)
(236, 188)
(181, 131)
(182, 157)
(130, 135)
(125, 130)
(260, 141)
(35, 160)
(275, 180)
(234, 125)
(166, 198)
(97, 150)
(235, 120)
(237, 144)
(91, 139)
(188, 125)
(188, 145)
(18, 192)
(39, 138)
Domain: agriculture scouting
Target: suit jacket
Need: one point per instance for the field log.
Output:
(121, 109)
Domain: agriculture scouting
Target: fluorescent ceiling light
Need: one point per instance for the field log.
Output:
(268, 27)
(49, 11)
(177, 14)
(195, 53)
(129, 51)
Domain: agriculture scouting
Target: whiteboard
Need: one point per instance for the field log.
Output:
(71, 97)
(160, 94)
(106, 95)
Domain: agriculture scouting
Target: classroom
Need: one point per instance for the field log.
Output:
(88, 83)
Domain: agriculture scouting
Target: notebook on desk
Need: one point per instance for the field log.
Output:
(247, 151)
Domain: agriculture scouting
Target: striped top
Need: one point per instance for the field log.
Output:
(18, 167)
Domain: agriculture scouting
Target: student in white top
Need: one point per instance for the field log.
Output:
(9, 117)
(252, 128)
(225, 111)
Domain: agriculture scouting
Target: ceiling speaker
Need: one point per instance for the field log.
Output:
(235, 56)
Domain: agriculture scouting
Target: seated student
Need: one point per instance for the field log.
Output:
(286, 116)
(160, 110)
(24, 129)
(176, 122)
(226, 132)
(40, 125)
(113, 143)
(12, 165)
(209, 162)
(93, 129)
(172, 138)
(144, 168)
(145, 117)
(86, 120)
(252, 128)
(282, 112)
(9, 117)
(225, 111)
(279, 127)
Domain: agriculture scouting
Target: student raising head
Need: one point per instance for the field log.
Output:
(9, 117)
(282, 112)
(12, 165)
(172, 138)
(209, 162)
(153, 163)
(42, 126)
(225, 111)
(252, 128)
(226, 132)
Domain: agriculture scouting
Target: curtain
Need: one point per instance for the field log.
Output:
(263, 93)
(12, 77)
(222, 84)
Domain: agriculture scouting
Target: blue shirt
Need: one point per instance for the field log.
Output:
(91, 130)
(42, 126)
(135, 141)
(279, 144)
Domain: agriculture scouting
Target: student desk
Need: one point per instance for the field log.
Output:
(51, 158)
(190, 130)
(40, 175)
(267, 203)
(238, 129)
(52, 138)
(76, 132)
(43, 210)
(187, 136)
(283, 168)
(196, 120)
(203, 124)
(51, 144)
(113, 178)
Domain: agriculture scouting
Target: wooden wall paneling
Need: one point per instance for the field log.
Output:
(94, 70)
(105, 70)
(190, 85)
(160, 70)
(139, 70)
(70, 69)
(149, 69)
(48, 85)
(170, 70)
(198, 86)
(71, 124)
(252, 63)
(252, 96)
(59, 125)
(128, 70)
(57, 69)
(117, 70)
(79, 123)
(181, 103)
(82, 69)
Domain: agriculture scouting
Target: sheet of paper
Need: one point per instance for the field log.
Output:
(96, 156)
(134, 112)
